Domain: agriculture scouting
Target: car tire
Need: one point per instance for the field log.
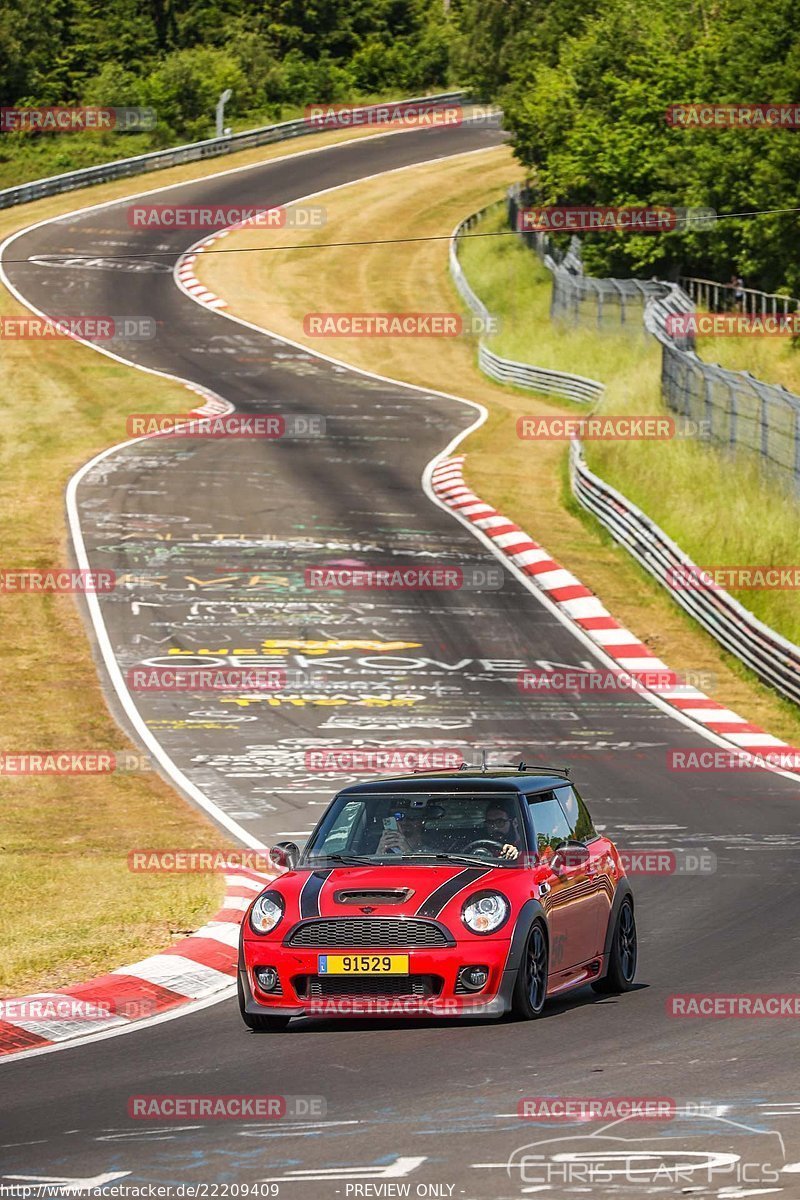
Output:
(530, 989)
(257, 1022)
(624, 954)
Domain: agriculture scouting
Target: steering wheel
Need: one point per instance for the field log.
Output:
(485, 845)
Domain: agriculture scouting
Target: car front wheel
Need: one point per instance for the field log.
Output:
(530, 990)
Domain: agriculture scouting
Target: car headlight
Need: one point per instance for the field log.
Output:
(267, 912)
(485, 912)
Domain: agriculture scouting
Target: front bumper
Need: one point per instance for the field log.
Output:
(433, 974)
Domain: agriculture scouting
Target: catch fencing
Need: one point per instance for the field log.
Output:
(733, 408)
(577, 297)
(771, 657)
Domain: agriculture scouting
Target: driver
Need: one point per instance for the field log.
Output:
(502, 826)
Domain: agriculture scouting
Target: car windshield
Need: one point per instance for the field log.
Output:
(384, 828)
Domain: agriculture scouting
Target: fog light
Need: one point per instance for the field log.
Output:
(266, 978)
(474, 978)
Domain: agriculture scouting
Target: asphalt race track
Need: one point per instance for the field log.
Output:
(213, 538)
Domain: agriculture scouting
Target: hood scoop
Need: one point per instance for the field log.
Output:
(373, 895)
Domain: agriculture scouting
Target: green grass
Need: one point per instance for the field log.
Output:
(24, 157)
(719, 507)
(773, 359)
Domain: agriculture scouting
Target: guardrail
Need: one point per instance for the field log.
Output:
(774, 659)
(538, 379)
(507, 370)
(190, 152)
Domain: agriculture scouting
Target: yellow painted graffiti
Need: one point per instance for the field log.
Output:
(282, 645)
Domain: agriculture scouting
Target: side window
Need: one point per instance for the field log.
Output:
(577, 814)
(551, 826)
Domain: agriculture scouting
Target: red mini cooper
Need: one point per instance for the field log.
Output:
(462, 893)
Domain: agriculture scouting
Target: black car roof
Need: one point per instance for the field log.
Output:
(494, 779)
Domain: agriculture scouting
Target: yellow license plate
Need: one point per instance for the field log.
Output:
(362, 964)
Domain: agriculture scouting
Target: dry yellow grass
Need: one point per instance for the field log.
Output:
(526, 480)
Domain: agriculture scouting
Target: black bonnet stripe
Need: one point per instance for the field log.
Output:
(445, 893)
(309, 896)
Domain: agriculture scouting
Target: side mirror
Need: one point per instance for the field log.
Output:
(571, 856)
(285, 855)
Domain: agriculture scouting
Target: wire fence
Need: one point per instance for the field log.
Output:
(731, 408)
(577, 297)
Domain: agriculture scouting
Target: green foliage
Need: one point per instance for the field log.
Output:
(586, 88)
(176, 56)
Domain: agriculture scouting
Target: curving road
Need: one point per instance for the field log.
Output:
(212, 538)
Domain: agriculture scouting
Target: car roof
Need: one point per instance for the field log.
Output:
(493, 780)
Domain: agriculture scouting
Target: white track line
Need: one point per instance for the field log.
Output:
(448, 452)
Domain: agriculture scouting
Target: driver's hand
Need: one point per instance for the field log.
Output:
(509, 851)
(393, 841)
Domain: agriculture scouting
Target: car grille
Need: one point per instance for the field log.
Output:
(379, 932)
(310, 987)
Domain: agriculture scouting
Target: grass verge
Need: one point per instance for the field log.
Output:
(25, 157)
(773, 359)
(683, 484)
(71, 908)
(523, 479)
